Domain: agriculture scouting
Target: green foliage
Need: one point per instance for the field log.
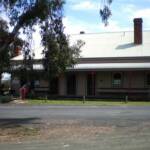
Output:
(6, 50)
(58, 54)
(47, 14)
(4, 55)
(24, 13)
(5, 99)
(105, 12)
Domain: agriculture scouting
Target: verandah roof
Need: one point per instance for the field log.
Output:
(100, 66)
(110, 66)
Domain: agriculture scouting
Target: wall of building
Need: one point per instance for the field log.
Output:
(134, 79)
(129, 79)
(80, 84)
(43, 83)
(103, 80)
(133, 84)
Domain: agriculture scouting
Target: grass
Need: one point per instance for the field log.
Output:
(88, 103)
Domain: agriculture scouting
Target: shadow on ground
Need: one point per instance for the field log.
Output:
(14, 122)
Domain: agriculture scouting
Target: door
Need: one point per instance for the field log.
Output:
(71, 84)
(91, 84)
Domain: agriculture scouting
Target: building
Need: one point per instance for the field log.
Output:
(112, 65)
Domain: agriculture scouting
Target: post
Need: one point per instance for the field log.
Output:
(46, 98)
(85, 86)
(126, 99)
(83, 99)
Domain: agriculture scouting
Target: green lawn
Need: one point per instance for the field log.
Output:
(86, 103)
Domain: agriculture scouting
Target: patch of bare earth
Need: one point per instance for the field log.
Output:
(71, 130)
(17, 134)
(18, 101)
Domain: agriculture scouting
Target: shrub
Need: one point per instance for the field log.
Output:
(5, 99)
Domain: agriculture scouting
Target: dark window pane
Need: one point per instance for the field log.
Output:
(117, 80)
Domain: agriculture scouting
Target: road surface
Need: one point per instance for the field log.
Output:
(126, 128)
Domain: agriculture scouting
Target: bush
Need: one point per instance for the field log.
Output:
(5, 99)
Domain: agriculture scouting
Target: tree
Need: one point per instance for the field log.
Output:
(6, 54)
(105, 11)
(58, 54)
(47, 14)
(3, 55)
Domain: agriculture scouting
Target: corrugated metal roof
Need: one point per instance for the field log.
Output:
(117, 44)
(102, 66)
(109, 45)
(110, 66)
(35, 67)
(21, 57)
(98, 66)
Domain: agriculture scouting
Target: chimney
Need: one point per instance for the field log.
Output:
(82, 32)
(17, 51)
(138, 39)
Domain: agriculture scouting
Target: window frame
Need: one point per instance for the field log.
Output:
(121, 80)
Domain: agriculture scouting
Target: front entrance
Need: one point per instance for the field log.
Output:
(91, 84)
(71, 84)
(54, 86)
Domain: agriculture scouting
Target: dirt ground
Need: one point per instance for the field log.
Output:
(74, 128)
(55, 129)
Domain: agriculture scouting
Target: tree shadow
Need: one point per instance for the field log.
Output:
(16, 122)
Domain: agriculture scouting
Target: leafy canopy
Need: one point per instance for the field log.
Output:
(105, 11)
(47, 14)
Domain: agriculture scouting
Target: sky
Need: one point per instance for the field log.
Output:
(83, 15)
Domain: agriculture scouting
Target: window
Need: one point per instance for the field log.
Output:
(37, 83)
(148, 79)
(117, 79)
